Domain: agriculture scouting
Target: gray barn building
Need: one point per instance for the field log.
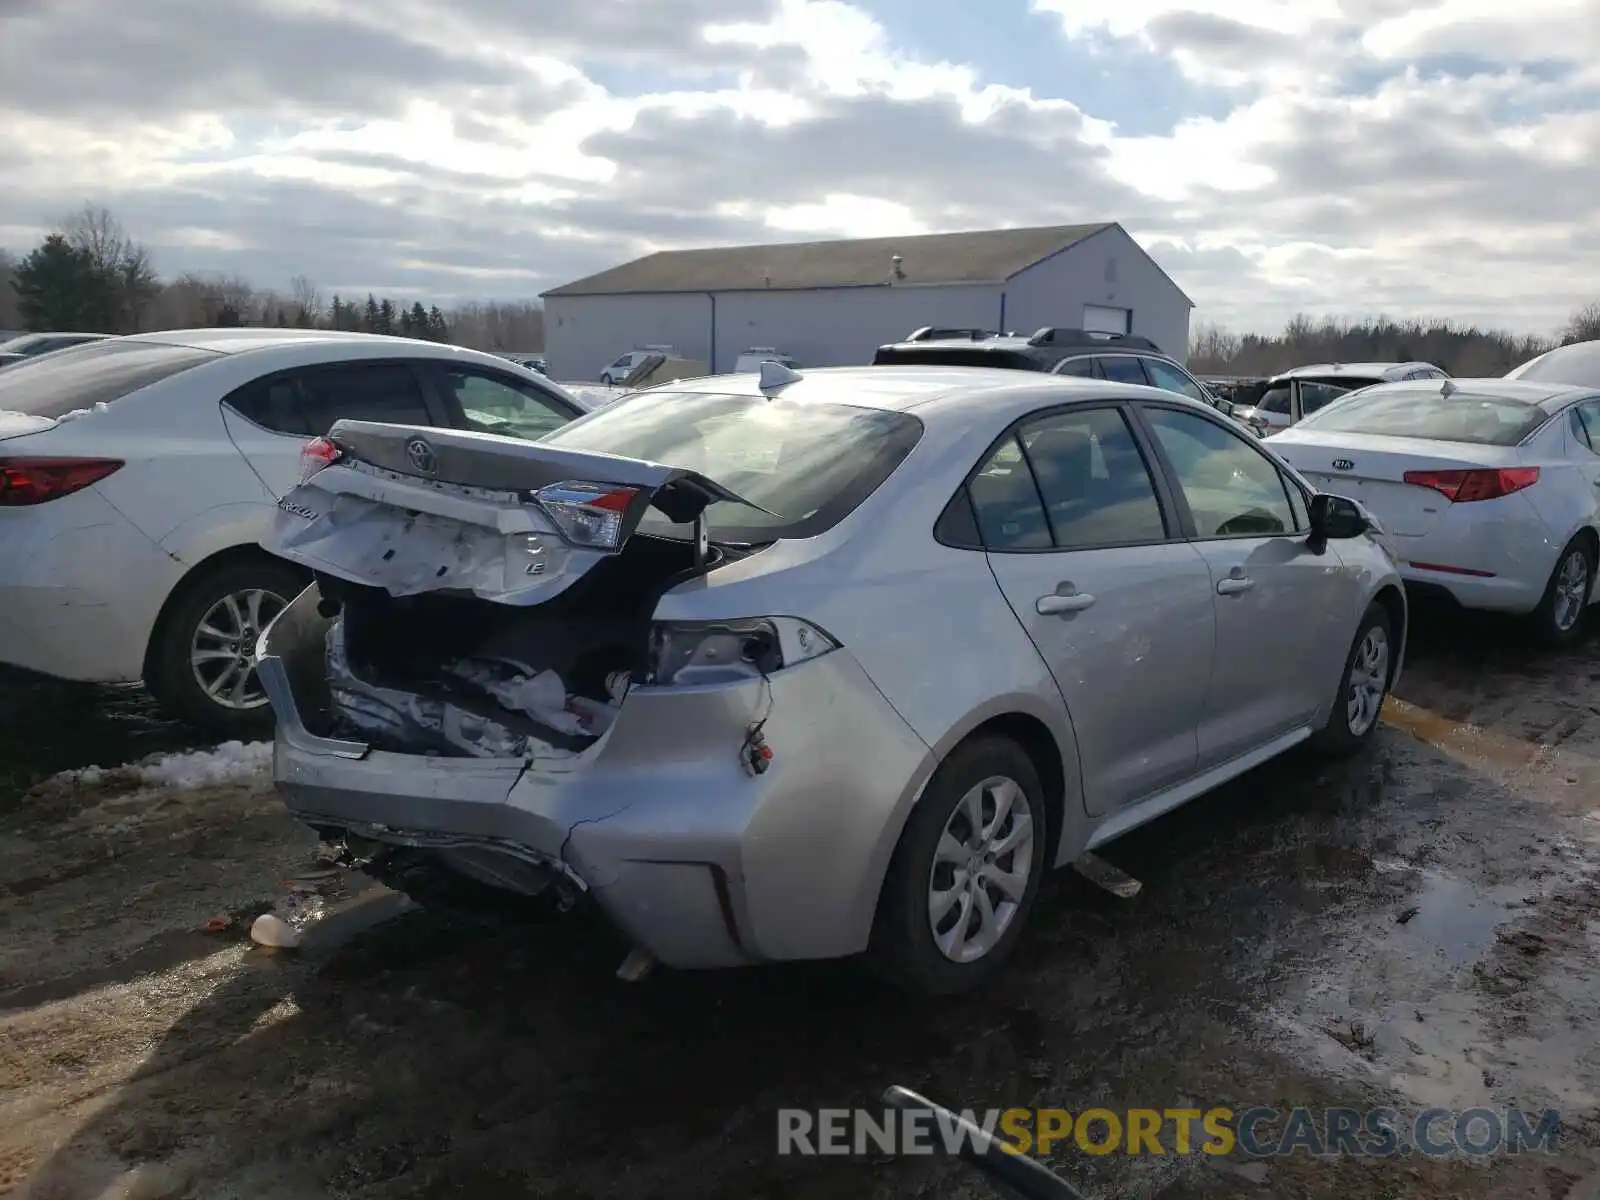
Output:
(834, 303)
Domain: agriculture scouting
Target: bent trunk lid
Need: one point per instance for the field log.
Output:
(411, 510)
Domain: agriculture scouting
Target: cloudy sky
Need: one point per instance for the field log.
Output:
(1436, 157)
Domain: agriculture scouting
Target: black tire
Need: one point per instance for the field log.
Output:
(902, 949)
(1546, 627)
(1336, 738)
(168, 674)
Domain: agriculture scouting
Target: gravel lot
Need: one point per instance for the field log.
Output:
(1416, 928)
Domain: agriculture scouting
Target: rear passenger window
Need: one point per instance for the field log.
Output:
(1122, 369)
(362, 391)
(1096, 488)
(1083, 368)
(1006, 502)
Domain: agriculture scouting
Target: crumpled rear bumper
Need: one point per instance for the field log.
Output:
(700, 862)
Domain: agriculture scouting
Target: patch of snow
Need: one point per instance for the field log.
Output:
(231, 762)
(76, 413)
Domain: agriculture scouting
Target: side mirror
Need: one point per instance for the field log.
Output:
(1335, 518)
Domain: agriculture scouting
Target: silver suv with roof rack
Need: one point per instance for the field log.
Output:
(1118, 357)
(1297, 393)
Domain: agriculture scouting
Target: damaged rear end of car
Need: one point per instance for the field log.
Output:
(478, 688)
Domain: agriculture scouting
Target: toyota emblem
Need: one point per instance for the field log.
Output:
(422, 456)
(1343, 464)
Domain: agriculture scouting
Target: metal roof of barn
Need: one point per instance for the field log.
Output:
(980, 256)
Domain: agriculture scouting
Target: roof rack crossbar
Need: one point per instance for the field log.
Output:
(1052, 335)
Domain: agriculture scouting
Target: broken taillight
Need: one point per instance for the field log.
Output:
(1460, 487)
(319, 452)
(587, 514)
(688, 652)
(25, 481)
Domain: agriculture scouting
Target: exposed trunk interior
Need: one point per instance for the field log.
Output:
(452, 675)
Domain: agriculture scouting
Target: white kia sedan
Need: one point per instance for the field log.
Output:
(1488, 490)
(138, 474)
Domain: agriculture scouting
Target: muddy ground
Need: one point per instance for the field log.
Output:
(1413, 929)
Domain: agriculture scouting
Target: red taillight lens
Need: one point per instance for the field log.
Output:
(25, 481)
(319, 452)
(1461, 486)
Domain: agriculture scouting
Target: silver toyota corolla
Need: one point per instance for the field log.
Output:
(802, 666)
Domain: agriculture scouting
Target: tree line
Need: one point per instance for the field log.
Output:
(89, 275)
(1464, 351)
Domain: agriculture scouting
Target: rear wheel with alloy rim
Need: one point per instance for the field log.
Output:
(1559, 617)
(202, 663)
(965, 873)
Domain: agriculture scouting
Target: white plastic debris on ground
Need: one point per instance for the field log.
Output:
(231, 762)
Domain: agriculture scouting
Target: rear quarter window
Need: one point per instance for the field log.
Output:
(95, 373)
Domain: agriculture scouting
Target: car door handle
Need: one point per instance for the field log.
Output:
(1056, 604)
(1234, 584)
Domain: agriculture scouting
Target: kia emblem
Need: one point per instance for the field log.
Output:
(1343, 464)
(422, 456)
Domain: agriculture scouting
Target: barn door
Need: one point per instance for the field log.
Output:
(1097, 319)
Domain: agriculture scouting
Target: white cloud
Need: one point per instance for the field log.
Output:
(471, 150)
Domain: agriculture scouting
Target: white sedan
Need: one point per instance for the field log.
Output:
(1488, 490)
(138, 474)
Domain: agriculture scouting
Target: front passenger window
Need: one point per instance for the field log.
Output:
(1587, 416)
(1233, 490)
(1170, 379)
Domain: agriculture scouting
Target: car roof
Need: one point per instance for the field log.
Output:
(931, 390)
(242, 339)
(1361, 370)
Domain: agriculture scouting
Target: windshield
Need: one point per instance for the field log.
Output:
(811, 464)
(1577, 365)
(26, 344)
(1425, 413)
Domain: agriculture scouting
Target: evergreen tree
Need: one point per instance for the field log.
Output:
(438, 327)
(385, 316)
(417, 317)
(369, 322)
(57, 289)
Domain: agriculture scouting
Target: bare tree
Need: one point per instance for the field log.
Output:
(1583, 325)
(307, 301)
(127, 280)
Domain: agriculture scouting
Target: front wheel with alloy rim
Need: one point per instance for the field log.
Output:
(1559, 617)
(1363, 686)
(202, 662)
(965, 872)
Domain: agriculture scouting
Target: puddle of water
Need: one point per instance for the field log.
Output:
(1458, 920)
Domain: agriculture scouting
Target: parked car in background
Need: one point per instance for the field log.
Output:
(710, 709)
(1577, 365)
(138, 474)
(1295, 394)
(1488, 490)
(752, 359)
(1116, 358)
(532, 361)
(619, 370)
(28, 345)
